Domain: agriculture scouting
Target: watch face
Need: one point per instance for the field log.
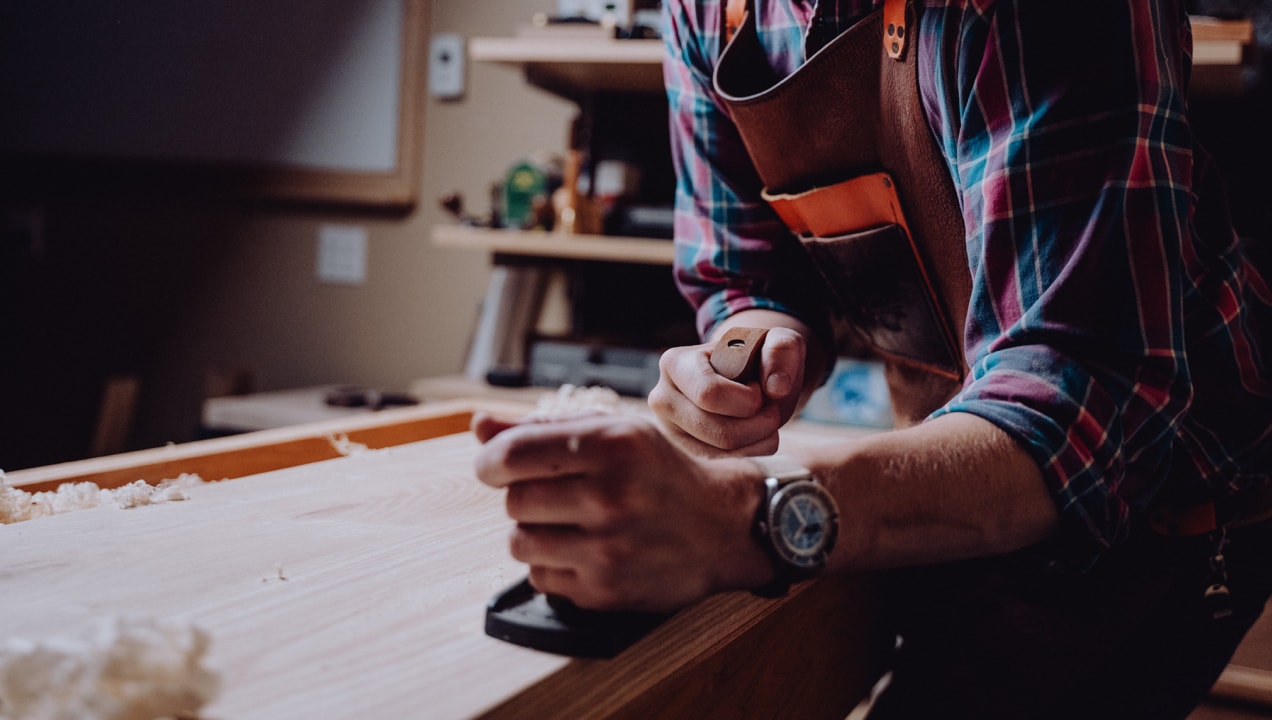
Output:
(803, 524)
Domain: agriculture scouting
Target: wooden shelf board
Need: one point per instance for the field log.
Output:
(1207, 29)
(523, 50)
(572, 67)
(1220, 42)
(649, 251)
(569, 65)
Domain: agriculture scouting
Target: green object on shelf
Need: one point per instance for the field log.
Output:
(525, 187)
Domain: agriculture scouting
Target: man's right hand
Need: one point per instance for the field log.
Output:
(712, 415)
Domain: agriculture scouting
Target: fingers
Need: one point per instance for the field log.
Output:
(594, 572)
(583, 473)
(782, 364)
(485, 426)
(558, 547)
(699, 408)
(528, 451)
(568, 583)
(713, 435)
(709, 415)
(685, 375)
(579, 500)
(609, 513)
(552, 554)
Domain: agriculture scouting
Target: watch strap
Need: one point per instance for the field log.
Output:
(782, 468)
(778, 470)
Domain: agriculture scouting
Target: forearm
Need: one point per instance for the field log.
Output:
(952, 488)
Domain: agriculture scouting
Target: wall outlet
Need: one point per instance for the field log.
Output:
(342, 254)
(446, 66)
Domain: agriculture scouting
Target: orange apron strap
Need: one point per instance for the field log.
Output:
(734, 14)
(895, 32)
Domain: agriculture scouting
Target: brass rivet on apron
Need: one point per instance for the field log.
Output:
(896, 47)
(901, 31)
(892, 29)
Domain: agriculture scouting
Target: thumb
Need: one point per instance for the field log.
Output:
(782, 363)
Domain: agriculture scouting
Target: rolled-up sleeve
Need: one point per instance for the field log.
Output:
(1075, 176)
(732, 253)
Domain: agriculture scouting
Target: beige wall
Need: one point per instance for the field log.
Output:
(170, 282)
(412, 317)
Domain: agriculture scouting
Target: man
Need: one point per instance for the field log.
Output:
(1081, 529)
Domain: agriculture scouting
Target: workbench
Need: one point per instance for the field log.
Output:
(341, 582)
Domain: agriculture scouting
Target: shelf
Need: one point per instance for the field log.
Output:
(1222, 57)
(1220, 42)
(605, 248)
(574, 68)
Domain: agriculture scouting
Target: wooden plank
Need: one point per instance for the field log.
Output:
(1245, 684)
(1248, 678)
(240, 455)
(1256, 649)
(348, 588)
(356, 588)
(419, 531)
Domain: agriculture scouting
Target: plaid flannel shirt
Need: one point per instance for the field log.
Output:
(1122, 337)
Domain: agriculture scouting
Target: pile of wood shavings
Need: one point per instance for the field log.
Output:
(123, 669)
(17, 505)
(573, 401)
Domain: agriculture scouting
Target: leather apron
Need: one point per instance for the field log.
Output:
(850, 164)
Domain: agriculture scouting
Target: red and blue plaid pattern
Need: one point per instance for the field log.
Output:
(1117, 332)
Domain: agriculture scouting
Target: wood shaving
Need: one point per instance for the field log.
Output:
(17, 505)
(122, 669)
(344, 445)
(573, 401)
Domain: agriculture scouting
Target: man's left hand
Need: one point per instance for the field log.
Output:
(613, 515)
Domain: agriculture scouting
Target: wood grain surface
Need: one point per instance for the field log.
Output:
(346, 588)
(356, 587)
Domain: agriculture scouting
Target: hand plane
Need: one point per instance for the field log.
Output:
(523, 616)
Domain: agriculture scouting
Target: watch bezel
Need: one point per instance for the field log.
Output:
(802, 562)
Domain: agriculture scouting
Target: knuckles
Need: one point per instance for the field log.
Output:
(595, 555)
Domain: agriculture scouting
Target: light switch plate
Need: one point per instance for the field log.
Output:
(446, 66)
(342, 254)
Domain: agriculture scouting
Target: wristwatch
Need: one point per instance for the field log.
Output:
(797, 522)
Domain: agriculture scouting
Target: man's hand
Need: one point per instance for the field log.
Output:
(712, 415)
(612, 515)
